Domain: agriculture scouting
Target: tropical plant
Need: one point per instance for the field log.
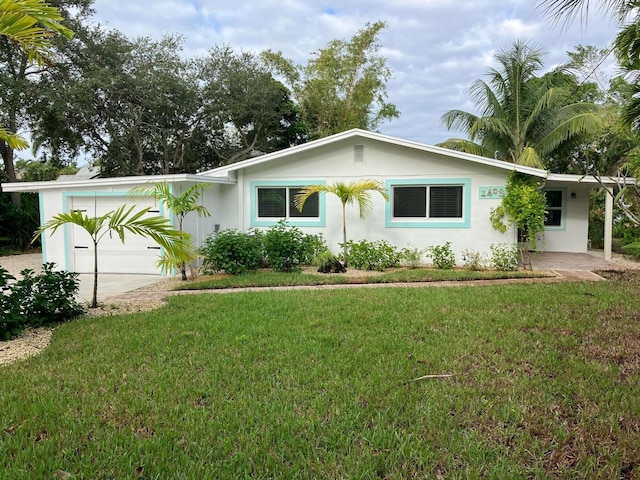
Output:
(356, 191)
(524, 118)
(181, 206)
(123, 219)
(342, 87)
(524, 206)
(29, 24)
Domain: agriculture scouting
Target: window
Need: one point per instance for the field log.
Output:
(278, 202)
(444, 201)
(553, 218)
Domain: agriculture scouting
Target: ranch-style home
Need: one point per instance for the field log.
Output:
(436, 196)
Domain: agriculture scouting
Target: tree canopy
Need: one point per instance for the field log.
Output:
(524, 118)
(343, 86)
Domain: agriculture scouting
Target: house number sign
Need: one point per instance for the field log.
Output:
(492, 192)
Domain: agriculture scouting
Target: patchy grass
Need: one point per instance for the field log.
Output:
(317, 384)
(269, 278)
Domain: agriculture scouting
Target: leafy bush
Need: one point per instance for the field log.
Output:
(410, 257)
(504, 257)
(287, 247)
(17, 224)
(11, 322)
(232, 251)
(442, 256)
(475, 260)
(37, 299)
(376, 255)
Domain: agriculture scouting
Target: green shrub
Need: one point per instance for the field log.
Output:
(504, 257)
(232, 251)
(287, 248)
(475, 260)
(410, 257)
(37, 299)
(442, 256)
(17, 224)
(376, 255)
(11, 322)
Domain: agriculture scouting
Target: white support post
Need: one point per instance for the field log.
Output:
(608, 223)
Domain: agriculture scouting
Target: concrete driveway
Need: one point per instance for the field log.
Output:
(111, 284)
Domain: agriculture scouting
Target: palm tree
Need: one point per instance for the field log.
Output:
(121, 220)
(30, 24)
(353, 192)
(181, 206)
(524, 118)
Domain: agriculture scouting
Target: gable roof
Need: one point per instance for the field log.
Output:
(357, 133)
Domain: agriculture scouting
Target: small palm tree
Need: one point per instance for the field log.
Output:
(121, 220)
(353, 192)
(181, 206)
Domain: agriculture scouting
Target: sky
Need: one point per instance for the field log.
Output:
(435, 48)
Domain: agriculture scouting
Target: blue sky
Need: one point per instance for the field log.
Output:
(435, 48)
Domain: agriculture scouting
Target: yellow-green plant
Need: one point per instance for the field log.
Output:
(357, 191)
(123, 219)
(181, 206)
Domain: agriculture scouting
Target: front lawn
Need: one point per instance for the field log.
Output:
(318, 384)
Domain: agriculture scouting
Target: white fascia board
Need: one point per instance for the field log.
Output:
(589, 179)
(224, 172)
(107, 182)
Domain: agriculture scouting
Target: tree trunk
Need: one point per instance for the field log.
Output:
(94, 298)
(344, 234)
(9, 168)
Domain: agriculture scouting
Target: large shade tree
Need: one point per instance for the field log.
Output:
(343, 86)
(523, 118)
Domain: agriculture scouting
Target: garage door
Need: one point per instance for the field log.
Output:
(137, 255)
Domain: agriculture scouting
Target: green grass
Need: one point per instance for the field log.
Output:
(269, 278)
(313, 384)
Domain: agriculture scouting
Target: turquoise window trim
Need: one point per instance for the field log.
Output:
(97, 194)
(253, 203)
(464, 222)
(563, 211)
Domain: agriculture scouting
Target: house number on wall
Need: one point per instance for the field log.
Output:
(492, 192)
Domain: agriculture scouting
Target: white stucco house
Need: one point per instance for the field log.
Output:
(437, 196)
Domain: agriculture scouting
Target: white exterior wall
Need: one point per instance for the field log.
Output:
(335, 162)
(572, 235)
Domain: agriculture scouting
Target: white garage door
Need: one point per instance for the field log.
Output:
(137, 255)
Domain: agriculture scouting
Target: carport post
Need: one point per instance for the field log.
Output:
(608, 222)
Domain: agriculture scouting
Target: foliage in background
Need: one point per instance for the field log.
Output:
(17, 223)
(287, 248)
(232, 251)
(523, 118)
(355, 192)
(524, 206)
(442, 256)
(123, 219)
(27, 28)
(377, 255)
(504, 257)
(411, 257)
(37, 299)
(342, 87)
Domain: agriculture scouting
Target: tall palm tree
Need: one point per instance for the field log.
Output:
(524, 118)
(348, 193)
(30, 24)
(121, 220)
(181, 206)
